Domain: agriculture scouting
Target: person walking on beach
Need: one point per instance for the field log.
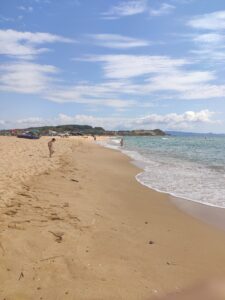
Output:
(50, 147)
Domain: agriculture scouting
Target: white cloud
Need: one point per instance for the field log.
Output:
(211, 21)
(128, 66)
(118, 41)
(192, 85)
(209, 54)
(26, 8)
(120, 91)
(167, 74)
(90, 98)
(6, 19)
(209, 38)
(25, 44)
(163, 76)
(108, 93)
(32, 121)
(210, 45)
(43, 1)
(24, 77)
(126, 8)
(182, 1)
(164, 9)
(205, 92)
(133, 7)
(179, 81)
(32, 78)
(188, 119)
(176, 84)
(83, 120)
(203, 116)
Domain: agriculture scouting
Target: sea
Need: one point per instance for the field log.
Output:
(188, 167)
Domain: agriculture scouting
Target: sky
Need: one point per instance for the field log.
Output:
(119, 64)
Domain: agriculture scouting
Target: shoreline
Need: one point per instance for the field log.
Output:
(140, 162)
(205, 212)
(88, 230)
(213, 215)
(209, 214)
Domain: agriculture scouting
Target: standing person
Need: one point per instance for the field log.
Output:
(50, 147)
(121, 142)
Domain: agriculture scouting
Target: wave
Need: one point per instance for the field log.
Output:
(184, 179)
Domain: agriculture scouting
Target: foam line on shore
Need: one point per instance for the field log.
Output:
(140, 161)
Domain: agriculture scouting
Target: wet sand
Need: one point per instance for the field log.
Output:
(86, 229)
(208, 214)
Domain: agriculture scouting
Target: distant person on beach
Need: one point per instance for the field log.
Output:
(94, 137)
(50, 147)
(121, 142)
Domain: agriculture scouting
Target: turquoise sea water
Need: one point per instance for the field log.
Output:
(187, 167)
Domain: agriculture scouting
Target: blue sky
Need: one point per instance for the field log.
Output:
(117, 64)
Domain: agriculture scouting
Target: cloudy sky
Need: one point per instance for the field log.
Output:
(117, 64)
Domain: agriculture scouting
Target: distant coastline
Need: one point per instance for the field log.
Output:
(81, 130)
(183, 133)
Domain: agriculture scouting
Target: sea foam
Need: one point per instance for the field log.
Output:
(186, 167)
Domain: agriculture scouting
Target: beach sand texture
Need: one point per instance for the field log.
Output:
(20, 159)
(84, 228)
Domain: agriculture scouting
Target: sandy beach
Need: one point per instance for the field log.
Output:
(79, 226)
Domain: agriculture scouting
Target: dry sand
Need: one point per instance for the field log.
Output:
(86, 229)
(20, 159)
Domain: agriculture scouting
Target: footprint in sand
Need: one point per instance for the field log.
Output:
(55, 217)
(16, 226)
(11, 213)
(58, 236)
(46, 173)
(97, 214)
(10, 205)
(74, 217)
(75, 180)
(38, 207)
(26, 187)
(25, 195)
